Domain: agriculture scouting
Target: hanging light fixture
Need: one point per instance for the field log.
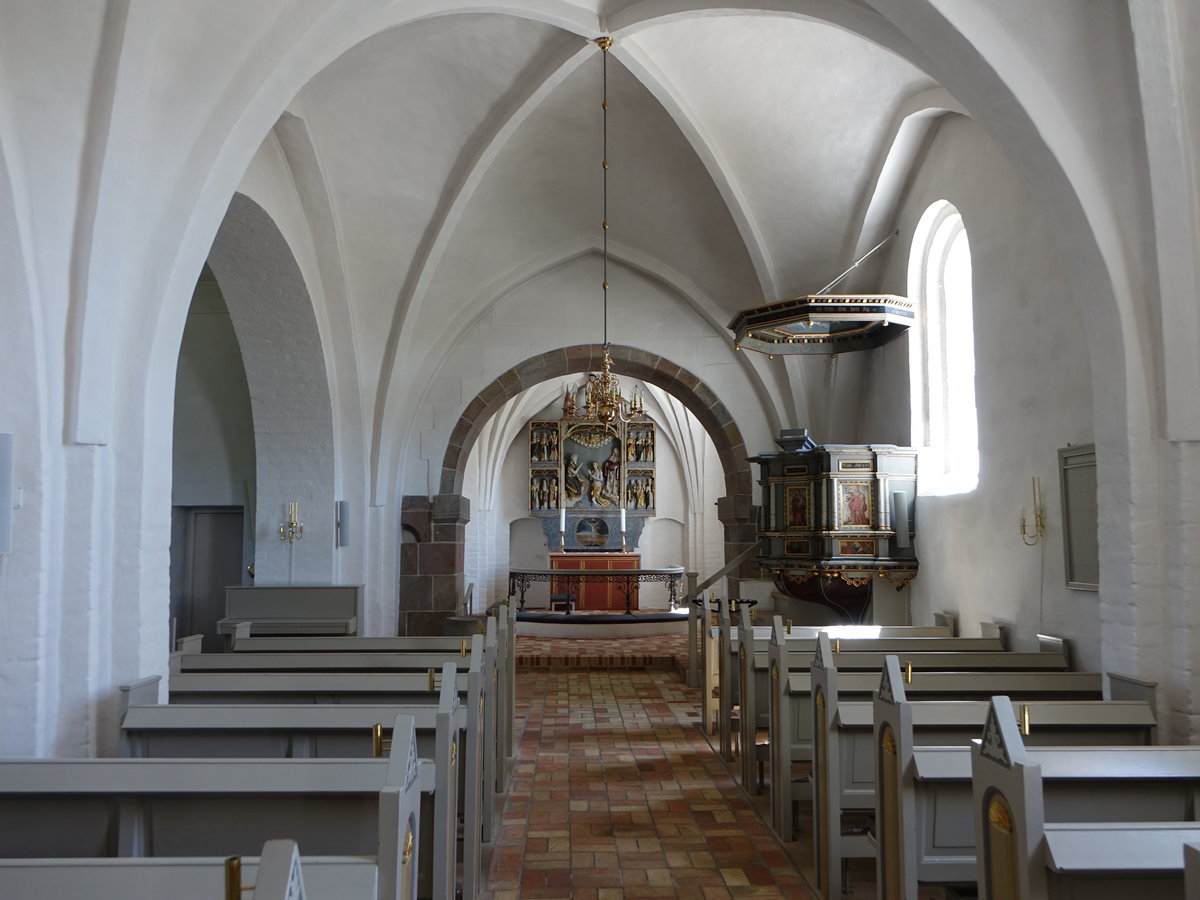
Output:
(602, 399)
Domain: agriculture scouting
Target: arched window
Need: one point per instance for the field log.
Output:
(942, 353)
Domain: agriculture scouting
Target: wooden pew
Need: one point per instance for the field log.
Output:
(499, 635)
(792, 709)
(863, 654)
(447, 733)
(188, 808)
(732, 639)
(279, 873)
(476, 688)
(844, 767)
(293, 609)
(930, 788)
(1096, 822)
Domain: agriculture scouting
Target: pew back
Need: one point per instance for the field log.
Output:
(293, 609)
(271, 875)
(177, 808)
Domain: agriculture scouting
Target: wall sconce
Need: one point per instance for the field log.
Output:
(341, 522)
(293, 529)
(1031, 538)
(7, 492)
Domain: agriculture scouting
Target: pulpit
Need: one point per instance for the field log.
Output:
(837, 518)
(597, 593)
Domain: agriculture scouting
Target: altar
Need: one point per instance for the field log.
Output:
(618, 594)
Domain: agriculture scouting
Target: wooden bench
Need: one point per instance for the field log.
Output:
(279, 873)
(1095, 822)
(340, 688)
(446, 732)
(865, 654)
(925, 793)
(94, 808)
(498, 635)
(792, 710)
(293, 609)
(729, 653)
(375, 688)
(844, 756)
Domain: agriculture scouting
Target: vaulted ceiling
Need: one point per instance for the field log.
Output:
(745, 151)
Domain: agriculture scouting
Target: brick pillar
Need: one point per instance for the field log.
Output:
(740, 520)
(431, 567)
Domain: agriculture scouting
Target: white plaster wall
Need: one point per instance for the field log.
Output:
(1033, 393)
(557, 309)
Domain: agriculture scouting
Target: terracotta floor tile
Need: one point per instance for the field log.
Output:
(616, 793)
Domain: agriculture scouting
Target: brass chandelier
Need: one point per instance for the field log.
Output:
(602, 400)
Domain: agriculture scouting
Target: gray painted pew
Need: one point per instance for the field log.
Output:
(929, 790)
(293, 609)
(866, 654)
(279, 873)
(446, 733)
(504, 655)
(790, 712)
(844, 755)
(380, 688)
(730, 640)
(1099, 823)
(204, 808)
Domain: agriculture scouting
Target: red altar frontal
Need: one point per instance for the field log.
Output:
(597, 594)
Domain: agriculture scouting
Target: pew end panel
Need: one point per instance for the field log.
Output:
(1118, 686)
(1008, 812)
(895, 811)
(779, 729)
(1050, 643)
(946, 620)
(1191, 871)
(143, 692)
(829, 846)
(994, 630)
(400, 824)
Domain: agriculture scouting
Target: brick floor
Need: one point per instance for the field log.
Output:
(661, 651)
(616, 793)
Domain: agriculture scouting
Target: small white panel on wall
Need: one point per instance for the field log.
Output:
(343, 523)
(6, 492)
(900, 511)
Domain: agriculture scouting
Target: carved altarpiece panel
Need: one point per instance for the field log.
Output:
(592, 471)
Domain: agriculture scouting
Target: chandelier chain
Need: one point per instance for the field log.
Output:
(604, 44)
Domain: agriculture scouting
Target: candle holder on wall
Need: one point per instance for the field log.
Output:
(1031, 537)
(293, 529)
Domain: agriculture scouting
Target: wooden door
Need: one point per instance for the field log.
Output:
(206, 556)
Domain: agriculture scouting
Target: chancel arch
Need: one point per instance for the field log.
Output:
(501, 484)
(734, 509)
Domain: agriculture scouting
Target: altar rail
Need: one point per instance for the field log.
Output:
(520, 580)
